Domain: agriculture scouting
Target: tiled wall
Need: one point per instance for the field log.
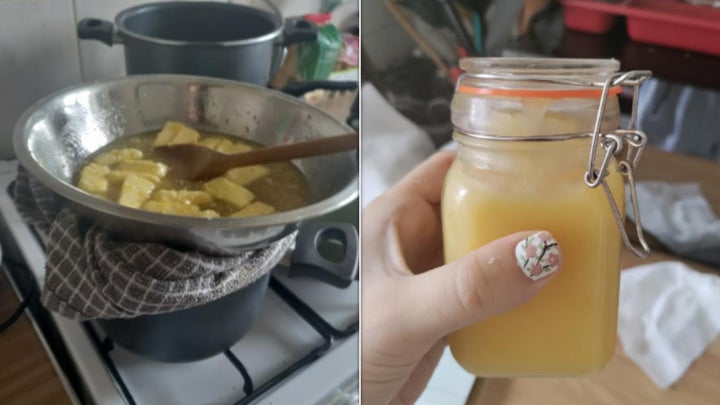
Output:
(40, 52)
(38, 55)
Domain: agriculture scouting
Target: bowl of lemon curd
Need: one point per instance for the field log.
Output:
(524, 129)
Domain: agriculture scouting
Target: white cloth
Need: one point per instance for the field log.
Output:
(668, 315)
(391, 145)
(680, 217)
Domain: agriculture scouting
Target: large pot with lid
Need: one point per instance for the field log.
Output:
(242, 41)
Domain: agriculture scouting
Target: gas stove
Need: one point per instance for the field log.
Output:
(303, 349)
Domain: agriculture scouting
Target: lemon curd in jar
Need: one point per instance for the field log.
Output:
(498, 187)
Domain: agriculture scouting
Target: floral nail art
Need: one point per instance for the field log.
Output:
(538, 255)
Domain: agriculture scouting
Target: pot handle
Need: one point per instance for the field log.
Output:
(99, 30)
(298, 30)
(307, 260)
(295, 30)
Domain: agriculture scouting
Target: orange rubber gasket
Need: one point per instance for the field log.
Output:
(579, 93)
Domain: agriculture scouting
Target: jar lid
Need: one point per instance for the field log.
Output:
(537, 77)
(505, 67)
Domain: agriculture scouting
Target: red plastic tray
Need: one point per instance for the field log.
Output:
(590, 16)
(671, 23)
(674, 24)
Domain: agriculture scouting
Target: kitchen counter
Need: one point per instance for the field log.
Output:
(27, 376)
(622, 381)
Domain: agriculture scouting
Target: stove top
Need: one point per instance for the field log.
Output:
(303, 349)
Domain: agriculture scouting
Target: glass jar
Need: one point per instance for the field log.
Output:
(526, 130)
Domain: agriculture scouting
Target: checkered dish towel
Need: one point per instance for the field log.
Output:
(89, 275)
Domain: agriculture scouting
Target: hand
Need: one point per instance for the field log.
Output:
(411, 301)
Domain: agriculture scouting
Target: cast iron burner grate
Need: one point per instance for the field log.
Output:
(320, 325)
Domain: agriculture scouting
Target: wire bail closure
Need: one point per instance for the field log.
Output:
(631, 139)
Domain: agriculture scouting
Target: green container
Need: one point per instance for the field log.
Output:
(317, 60)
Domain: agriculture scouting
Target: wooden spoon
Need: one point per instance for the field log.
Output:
(195, 162)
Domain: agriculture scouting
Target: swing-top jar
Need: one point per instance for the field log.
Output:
(539, 148)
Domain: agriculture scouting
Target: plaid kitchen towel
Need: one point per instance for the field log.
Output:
(89, 275)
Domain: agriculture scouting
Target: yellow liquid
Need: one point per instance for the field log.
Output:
(285, 187)
(568, 328)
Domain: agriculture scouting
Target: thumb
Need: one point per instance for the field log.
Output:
(488, 281)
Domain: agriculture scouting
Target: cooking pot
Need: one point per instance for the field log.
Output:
(244, 42)
(206, 330)
(54, 136)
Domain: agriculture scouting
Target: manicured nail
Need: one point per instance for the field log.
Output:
(538, 255)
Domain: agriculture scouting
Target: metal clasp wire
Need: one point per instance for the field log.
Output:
(614, 143)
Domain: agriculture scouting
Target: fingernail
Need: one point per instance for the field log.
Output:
(538, 255)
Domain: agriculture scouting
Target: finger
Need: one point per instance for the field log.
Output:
(491, 280)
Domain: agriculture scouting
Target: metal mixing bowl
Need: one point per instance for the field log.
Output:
(54, 137)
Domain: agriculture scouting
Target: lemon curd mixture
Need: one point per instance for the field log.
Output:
(126, 171)
(496, 188)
